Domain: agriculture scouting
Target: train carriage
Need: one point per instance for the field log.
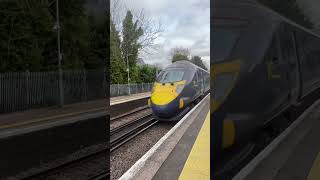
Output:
(176, 88)
(262, 64)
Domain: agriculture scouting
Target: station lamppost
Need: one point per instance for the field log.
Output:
(57, 27)
(128, 70)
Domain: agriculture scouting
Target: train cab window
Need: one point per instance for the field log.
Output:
(170, 76)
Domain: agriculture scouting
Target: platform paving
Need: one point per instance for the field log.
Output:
(176, 155)
(296, 156)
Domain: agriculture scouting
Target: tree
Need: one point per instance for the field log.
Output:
(290, 9)
(179, 53)
(131, 33)
(26, 35)
(28, 39)
(152, 28)
(74, 33)
(147, 74)
(197, 61)
(130, 46)
(117, 65)
(98, 42)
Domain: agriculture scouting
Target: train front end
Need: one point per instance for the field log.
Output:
(166, 97)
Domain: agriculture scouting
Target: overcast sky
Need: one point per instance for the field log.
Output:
(186, 23)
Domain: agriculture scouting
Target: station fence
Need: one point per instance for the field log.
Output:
(26, 90)
(125, 89)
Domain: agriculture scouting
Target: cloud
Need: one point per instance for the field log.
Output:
(186, 24)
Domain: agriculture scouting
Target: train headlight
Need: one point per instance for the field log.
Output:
(179, 88)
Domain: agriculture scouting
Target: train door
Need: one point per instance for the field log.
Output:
(195, 83)
(289, 55)
(277, 76)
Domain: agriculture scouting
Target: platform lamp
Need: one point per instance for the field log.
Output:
(128, 70)
(57, 28)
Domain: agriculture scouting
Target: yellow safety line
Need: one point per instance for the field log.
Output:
(197, 165)
(50, 117)
(314, 174)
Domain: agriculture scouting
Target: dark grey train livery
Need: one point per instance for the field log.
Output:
(262, 64)
(176, 88)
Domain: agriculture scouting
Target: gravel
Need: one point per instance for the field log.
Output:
(124, 157)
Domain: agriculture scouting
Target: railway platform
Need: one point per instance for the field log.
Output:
(132, 97)
(42, 115)
(30, 140)
(294, 154)
(183, 153)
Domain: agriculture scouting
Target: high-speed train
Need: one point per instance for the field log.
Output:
(262, 64)
(176, 88)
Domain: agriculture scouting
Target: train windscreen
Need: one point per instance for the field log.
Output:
(223, 42)
(168, 76)
(225, 35)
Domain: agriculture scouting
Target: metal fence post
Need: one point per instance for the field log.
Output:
(118, 89)
(28, 88)
(84, 76)
(136, 88)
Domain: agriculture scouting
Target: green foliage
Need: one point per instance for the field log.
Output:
(147, 74)
(75, 33)
(98, 44)
(179, 54)
(117, 65)
(28, 40)
(143, 74)
(198, 61)
(179, 57)
(128, 49)
(290, 9)
(131, 34)
(25, 33)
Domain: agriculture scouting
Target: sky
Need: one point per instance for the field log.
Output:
(186, 23)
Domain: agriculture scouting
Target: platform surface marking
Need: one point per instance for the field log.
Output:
(37, 120)
(197, 165)
(315, 170)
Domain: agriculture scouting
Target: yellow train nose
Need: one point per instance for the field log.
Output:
(164, 93)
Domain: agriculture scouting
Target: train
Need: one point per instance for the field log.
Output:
(176, 88)
(262, 64)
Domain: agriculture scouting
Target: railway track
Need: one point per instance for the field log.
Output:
(125, 125)
(72, 164)
(103, 175)
(124, 133)
(129, 113)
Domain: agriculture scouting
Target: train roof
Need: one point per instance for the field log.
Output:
(259, 10)
(185, 63)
